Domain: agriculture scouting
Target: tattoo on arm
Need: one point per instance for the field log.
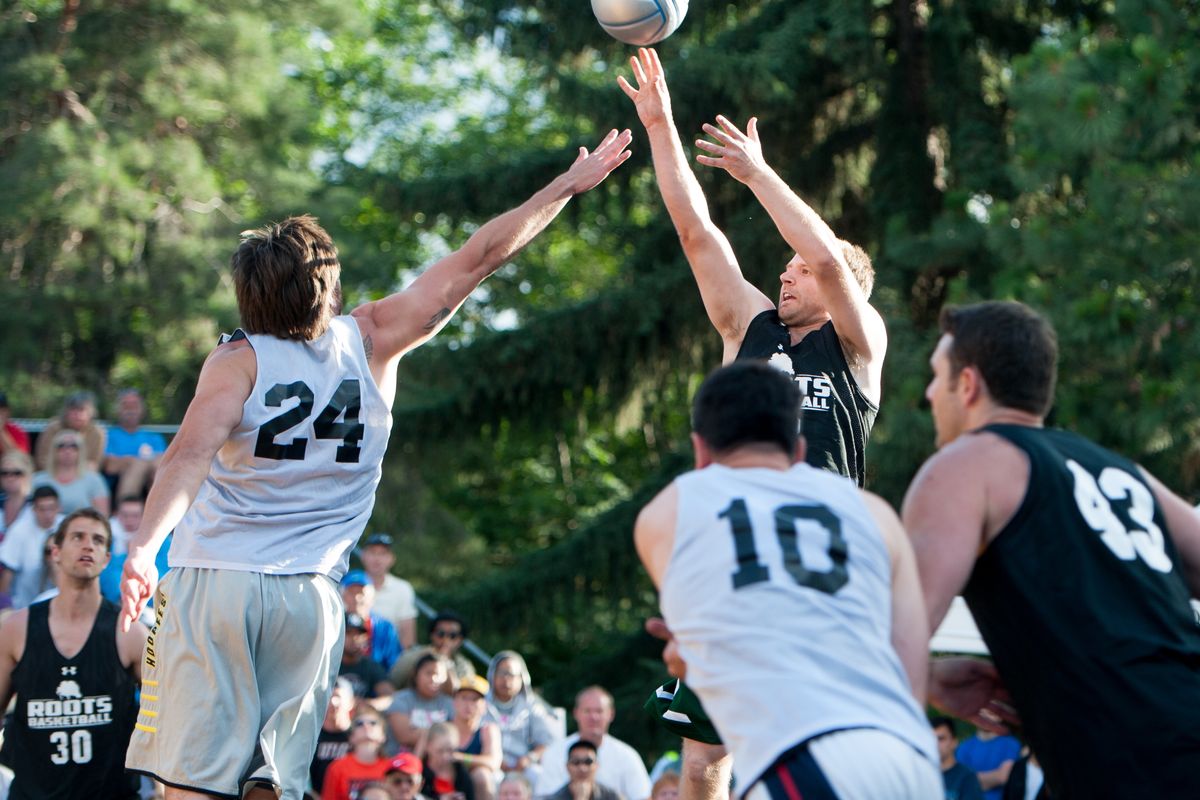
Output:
(436, 319)
(368, 346)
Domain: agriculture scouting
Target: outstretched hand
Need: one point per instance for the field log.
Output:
(590, 169)
(676, 666)
(971, 689)
(651, 98)
(138, 579)
(739, 154)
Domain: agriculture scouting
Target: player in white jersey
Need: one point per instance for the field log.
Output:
(270, 481)
(793, 600)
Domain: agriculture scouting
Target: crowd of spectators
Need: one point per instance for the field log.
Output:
(407, 720)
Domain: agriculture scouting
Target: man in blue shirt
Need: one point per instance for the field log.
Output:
(992, 758)
(358, 594)
(132, 454)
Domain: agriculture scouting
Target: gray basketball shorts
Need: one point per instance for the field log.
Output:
(236, 676)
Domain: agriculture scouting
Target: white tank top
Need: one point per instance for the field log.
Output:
(778, 592)
(292, 489)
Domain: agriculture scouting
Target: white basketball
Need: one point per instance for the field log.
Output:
(640, 22)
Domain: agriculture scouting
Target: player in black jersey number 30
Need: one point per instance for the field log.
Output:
(73, 673)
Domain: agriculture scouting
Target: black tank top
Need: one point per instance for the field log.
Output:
(1082, 602)
(73, 717)
(837, 416)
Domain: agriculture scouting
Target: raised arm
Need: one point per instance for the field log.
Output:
(731, 302)
(402, 321)
(858, 324)
(225, 382)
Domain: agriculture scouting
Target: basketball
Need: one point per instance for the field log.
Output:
(639, 22)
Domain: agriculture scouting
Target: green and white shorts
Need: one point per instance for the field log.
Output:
(680, 712)
(236, 677)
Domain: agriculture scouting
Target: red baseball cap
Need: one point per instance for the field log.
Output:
(406, 763)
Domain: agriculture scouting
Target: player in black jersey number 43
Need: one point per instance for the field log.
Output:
(73, 673)
(1076, 563)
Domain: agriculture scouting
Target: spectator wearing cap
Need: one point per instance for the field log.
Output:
(358, 595)
(395, 599)
(13, 438)
(415, 709)
(479, 747)
(78, 414)
(16, 484)
(364, 763)
(447, 633)
(404, 778)
(333, 741)
(366, 676)
(132, 454)
(583, 764)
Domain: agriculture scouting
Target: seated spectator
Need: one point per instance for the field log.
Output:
(358, 595)
(363, 764)
(405, 778)
(446, 778)
(666, 787)
(582, 766)
(415, 709)
(514, 787)
(960, 782)
(132, 454)
(13, 438)
(333, 741)
(126, 521)
(374, 791)
(522, 716)
(480, 750)
(22, 553)
(78, 414)
(620, 767)
(16, 484)
(366, 676)
(78, 485)
(447, 633)
(991, 757)
(395, 599)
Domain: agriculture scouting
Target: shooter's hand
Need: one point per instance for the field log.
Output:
(651, 98)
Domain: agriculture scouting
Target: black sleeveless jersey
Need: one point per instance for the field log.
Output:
(837, 417)
(73, 717)
(1082, 602)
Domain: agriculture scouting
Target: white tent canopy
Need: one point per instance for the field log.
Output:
(957, 633)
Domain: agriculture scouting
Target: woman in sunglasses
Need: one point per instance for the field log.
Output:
(78, 485)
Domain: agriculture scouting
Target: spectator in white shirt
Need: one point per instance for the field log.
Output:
(620, 767)
(395, 600)
(22, 553)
